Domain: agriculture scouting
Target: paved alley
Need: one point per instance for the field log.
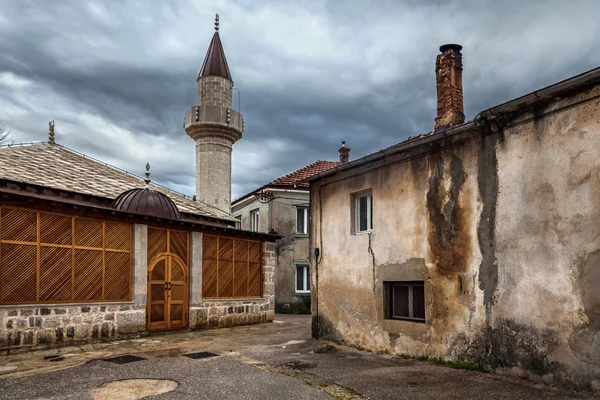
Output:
(269, 361)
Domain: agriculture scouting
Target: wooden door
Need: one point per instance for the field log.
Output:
(167, 293)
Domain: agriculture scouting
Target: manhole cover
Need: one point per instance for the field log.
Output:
(133, 389)
(203, 354)
(124, 359)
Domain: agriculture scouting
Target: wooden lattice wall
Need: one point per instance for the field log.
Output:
(168, 241)
(53, 258)
(231, 268)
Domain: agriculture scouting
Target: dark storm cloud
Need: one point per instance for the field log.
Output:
(117, 76)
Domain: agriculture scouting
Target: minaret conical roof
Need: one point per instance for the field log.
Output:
(215, 63)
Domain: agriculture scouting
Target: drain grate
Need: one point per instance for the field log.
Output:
(124, 359)
(203, 354)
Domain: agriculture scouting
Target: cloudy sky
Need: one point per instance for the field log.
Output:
(118, 75)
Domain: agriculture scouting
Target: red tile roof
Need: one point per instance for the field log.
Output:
(296, 178)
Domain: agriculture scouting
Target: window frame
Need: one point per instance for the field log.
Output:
(388, 298)
(368, 194)
(304, 210)
(255, 220)
(238, 224)
(306, 277)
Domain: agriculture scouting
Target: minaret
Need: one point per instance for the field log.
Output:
(215, 127)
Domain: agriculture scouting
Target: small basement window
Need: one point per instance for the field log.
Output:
(302, 278)
(302, 220)
(363, 212)
(404, 300)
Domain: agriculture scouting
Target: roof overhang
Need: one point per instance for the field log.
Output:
(21, 194)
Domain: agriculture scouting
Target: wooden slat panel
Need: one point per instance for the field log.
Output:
(117, 235)
(254, 252)
(117, 276)
(209, 278)
(225, 250)
(255, 284)
(88, 233)
(240, 284)
(179, 244)
(55, 274)
(88, 275)
(18, 273)
(241, 250)
(209, 247)
(225, 279)
(55, 229)
(19, 225)
(157, 243)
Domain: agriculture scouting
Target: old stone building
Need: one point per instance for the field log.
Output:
(91, 252)
(476, 242)
(282, 207)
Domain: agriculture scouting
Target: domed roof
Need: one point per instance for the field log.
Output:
(146, 201)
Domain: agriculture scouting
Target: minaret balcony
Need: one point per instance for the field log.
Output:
(201, 120)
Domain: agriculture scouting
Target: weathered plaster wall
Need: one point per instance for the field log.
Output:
(280, 214)
(505, 231)
(292, 248)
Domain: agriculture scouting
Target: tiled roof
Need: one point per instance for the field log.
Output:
(60, 168)
(296, 178)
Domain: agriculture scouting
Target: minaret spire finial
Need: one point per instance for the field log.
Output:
(216, 22)
(51, 133)
(147, 180)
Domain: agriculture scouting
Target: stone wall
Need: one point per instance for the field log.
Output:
(63, 325)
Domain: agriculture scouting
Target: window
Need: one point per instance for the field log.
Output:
(302, 220)
(364, 212)
(404, 300)
(238, 223)
(254, 220)
(302, 279)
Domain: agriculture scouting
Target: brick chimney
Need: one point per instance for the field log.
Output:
(344, 153)
(448, 74)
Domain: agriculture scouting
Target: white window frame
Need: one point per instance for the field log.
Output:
(306, 277)
(369, 196)
(305, 211)
(254, 220)
(238, 224)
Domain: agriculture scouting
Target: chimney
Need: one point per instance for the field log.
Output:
(344, 153)
(448, 75)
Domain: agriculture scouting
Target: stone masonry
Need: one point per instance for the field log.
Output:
(35, 327)
(448, 71)
(215, 127)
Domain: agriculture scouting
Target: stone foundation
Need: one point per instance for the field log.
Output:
(37, 327)
(227, 313)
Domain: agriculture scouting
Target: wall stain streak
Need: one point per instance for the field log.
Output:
(487, 182)
(373, 260)
(448, 236)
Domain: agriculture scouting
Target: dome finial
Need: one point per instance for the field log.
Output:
(216, 22)
(147, 180)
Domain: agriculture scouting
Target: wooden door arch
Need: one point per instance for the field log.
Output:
(167, 293)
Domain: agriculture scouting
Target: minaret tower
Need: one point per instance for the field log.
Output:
(215, 127)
